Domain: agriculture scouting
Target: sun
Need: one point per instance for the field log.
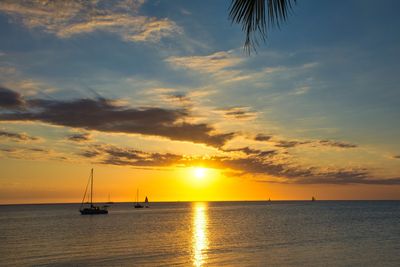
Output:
(199, 172)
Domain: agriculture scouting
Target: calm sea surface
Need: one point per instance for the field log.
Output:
(321, 233)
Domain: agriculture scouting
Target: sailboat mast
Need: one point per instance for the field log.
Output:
(91, 189)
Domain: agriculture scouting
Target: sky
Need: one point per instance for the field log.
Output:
(160, 96)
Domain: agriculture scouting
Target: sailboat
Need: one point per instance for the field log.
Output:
(109, 200)
(92, 209)
(146, 203)
(137, 204)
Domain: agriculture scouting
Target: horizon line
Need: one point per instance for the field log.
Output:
(193, 201)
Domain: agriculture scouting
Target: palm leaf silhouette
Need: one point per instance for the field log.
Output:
(257, 17)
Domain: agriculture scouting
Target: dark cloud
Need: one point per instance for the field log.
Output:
(17, 136)
(240, 113)
(396, 156)
(262, 137)
(268, 153)
(253, 152)
(89, 153)
(36, 149)
(337, 144)
(246, 150)
(178, 96)
(343, 177)
(289, 144)
(103, 115)
(330, 143)
(113, 155)
(79, 137)
(8, 149)
(10, 99)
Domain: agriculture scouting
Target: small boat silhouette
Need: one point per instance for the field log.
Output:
(109, 200)
(137, 204)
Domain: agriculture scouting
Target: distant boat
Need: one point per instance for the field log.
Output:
(313, 199)
(109, 200)
(137, 204)
(92, 210)
(146, 203)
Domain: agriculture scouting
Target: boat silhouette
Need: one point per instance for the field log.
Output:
(109, 200)
(137, 204)
(92, 209)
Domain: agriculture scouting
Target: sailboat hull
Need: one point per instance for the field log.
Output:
(93, 211)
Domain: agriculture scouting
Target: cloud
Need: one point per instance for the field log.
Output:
(112, 155)
(239, 113)
(79, 137)
(17, 136)
(344, 177)
(32, 153)
(313, 143)
(69, 18)
(209, 64)
(246, 150)
(104, 115)
(337, 144)
(10, 99)
(262, 137)
(89, 154)
(289, 144)
(301, 90)
(396, 156)
(270, 166)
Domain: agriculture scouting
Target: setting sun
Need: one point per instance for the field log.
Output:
(200, 172)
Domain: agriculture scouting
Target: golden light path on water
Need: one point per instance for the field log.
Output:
(200, 241)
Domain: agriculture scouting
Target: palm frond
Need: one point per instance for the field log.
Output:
(258, 16)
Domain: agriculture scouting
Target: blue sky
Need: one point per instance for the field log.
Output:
(324, 88)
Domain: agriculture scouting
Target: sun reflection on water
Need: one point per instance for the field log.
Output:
(200, 241)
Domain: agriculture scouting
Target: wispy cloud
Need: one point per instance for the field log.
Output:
(69, 18)
(213, 63)
(17, 136)
(79, 137)
(338, 144)
(289, 144)
(264, 166)
(238, 113)
(283, 143)
(32, 153)
(262, 137)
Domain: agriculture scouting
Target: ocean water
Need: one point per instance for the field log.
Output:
(321, 233)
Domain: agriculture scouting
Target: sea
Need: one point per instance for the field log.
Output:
(276, 233)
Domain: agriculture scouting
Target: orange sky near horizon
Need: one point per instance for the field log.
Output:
(41, 182)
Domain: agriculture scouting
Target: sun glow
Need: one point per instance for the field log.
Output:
(200, 172)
